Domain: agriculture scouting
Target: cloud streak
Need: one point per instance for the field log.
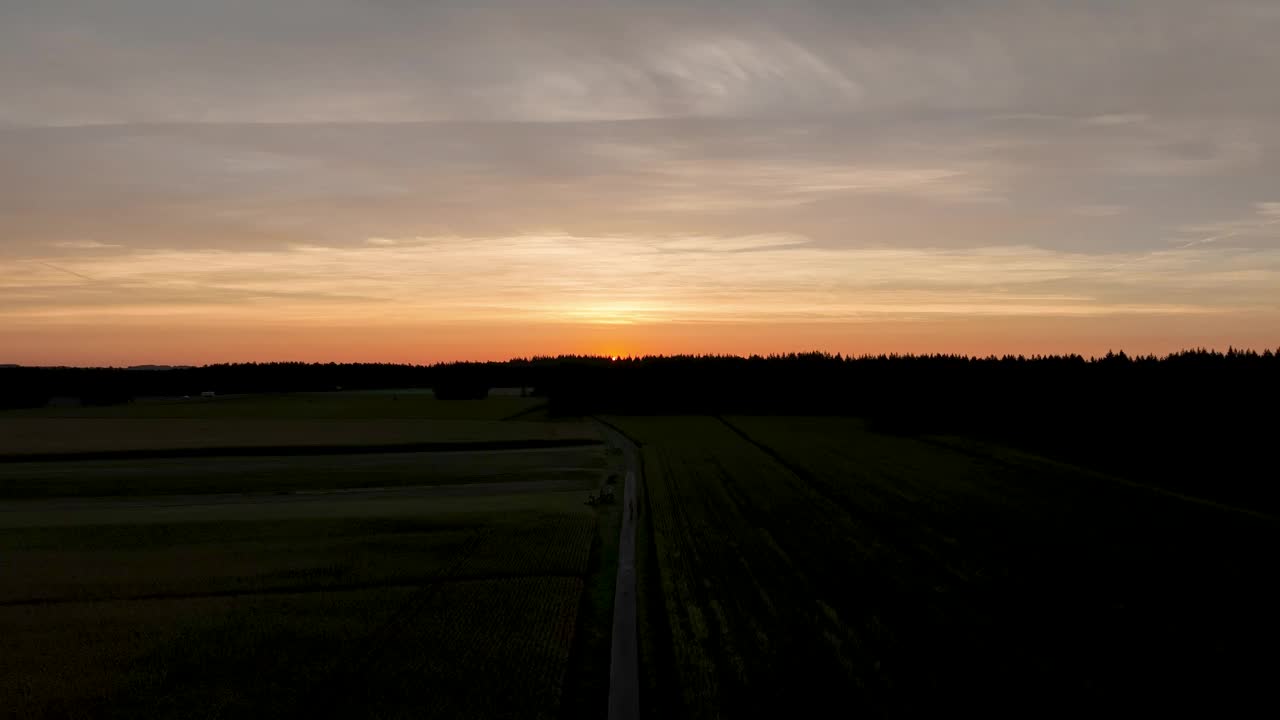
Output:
(560, 278)
(637, 163)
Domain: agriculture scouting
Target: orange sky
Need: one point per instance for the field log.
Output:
(323, 180)
(84, 345)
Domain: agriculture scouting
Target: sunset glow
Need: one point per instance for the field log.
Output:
(726, 178)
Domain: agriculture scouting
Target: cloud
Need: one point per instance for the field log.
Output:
(1116, 119)
(341, 184)
(1100, 210)
(1262, 226)
(557, 278)
(84, 244)
(569, 60)
(636, 161)
(727, 244)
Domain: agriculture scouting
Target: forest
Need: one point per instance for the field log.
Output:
(1199, 421)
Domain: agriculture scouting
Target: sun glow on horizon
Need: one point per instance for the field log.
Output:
(462, 296)
(733, 178)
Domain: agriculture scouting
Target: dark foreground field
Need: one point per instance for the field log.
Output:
(787, 566)
(797, 565)
(452, 584)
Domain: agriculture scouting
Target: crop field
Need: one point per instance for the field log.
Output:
(79, 435)
(552, 467)
(790, 565)
(311, 420)
(408, 584)
(225, 611)
(347, 405)
(278, 444)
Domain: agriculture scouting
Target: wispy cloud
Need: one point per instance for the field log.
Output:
(1100, 210)
(1262, 225)
(566, 278)
(326, 162)
(1117, 119)
(84, 245)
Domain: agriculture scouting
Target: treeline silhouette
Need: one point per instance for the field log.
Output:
(1198, 420)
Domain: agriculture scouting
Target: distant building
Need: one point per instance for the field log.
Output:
(208, 393)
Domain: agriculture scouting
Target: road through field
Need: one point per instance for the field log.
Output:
(624, 666)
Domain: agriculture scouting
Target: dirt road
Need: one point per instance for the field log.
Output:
(624, 666)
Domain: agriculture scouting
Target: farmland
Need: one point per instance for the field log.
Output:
(47, 436)
(283, 443)
(794, 564)
(234, 614)
(364, 585)
(315, 422)
(560, 467)
(786, 565)
(354, 405)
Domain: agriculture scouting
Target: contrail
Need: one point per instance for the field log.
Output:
(1200, 241)
(51, 266)
(1203, 241)
(1225, 235)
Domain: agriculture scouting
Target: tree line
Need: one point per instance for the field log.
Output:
(1192, 420)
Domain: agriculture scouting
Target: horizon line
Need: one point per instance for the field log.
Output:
(1199, 350)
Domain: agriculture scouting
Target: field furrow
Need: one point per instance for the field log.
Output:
(808, 563)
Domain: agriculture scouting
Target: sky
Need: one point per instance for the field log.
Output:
(184, 182)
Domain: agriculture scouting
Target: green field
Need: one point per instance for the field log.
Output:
(794, 564)
(254, 616)
(349, 405)
(439, 584)
(81, 435)
(458, 606)
(787, 567)
(284, 443)
(557, 467)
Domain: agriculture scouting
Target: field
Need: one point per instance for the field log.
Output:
(790, 565)
(316, 422)
(284, 443)
(444, 584)
(787, 566)
(354, 405)
(51, 436)
(550, 468)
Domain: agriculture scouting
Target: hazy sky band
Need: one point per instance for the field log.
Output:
(457, 170)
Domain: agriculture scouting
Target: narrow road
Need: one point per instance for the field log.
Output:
(624, 664)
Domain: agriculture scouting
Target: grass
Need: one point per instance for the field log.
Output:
(350, 405)
(269, 426)
(227, 581)
(472, 649)
(562, 466)
(588, 691)
(551, 536)
(460, 606)
(482, 648)
(807, 563)
(51, 436)
(133, 658)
